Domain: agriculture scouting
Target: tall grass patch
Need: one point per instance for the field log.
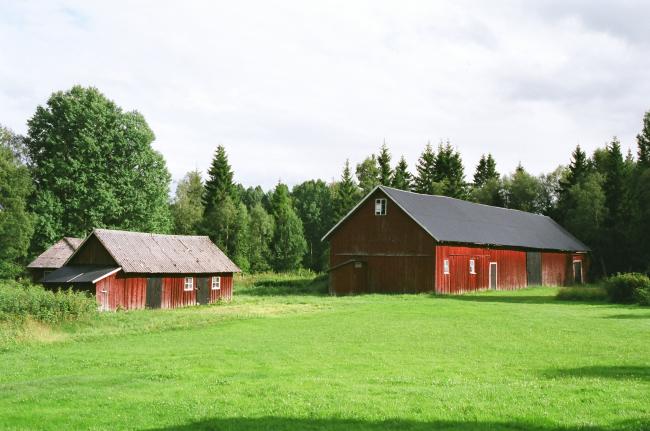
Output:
(582, 293)
(20, 302)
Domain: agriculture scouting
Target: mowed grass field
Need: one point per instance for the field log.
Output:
(285, 356)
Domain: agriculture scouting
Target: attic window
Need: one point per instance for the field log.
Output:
(380, 207)
(216, 283)
(189, 284)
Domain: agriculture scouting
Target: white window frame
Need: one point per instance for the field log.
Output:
(445, 266)
(380, 206)
(188, 284)
(217, 285)
(472, 266)
(582, 280)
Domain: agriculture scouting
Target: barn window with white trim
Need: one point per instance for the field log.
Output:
(380, 207)
(472, 266)
(189, 284)
(445, 266)
(216, 283)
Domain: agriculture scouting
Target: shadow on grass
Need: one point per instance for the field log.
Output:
(336, 424)
(299, 286)
(628, 316)
(511, 299)
(615, 372)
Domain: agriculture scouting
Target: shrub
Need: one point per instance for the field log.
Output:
(623, 288)
(18, 302)
(642, 295)
(594, 293)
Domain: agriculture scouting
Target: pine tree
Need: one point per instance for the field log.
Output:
(401, 176)
(368, 174)
(345, 194)
(643, 142)
(578, 169)
(425, 179)
(219, 183)
(385, 171)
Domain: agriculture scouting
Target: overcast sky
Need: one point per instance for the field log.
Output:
(292, 89)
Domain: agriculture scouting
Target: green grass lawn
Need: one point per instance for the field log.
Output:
(284, 356)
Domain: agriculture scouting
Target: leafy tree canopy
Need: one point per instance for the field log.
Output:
(187, 207)
(92, 165)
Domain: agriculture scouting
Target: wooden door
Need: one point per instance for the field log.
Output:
(577, 272)
(494, 278)
(154, 292)
(203, 290)
(534, 268)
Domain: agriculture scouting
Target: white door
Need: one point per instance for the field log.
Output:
(493, 275)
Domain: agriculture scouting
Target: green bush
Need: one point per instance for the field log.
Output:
(18, 302)
(593, 293)
(627, 288)
(642, 295)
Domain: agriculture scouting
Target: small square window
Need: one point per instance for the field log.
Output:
(189, 284)
(472, 266)
(216, 283)
(380, 206)
(445, 266)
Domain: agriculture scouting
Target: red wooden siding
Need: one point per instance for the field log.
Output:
(130, 293)
(123, 292)
(394, 253)
(225, 293)
(554, 269)
(511, 268)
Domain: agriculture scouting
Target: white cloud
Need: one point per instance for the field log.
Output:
(292, 89)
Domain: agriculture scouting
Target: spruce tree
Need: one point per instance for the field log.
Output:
(345, 194)
(219, 183)
(480, 175)
(425, 178)
(401, 176)
(643, 142)
(449, 171)
(383, 162)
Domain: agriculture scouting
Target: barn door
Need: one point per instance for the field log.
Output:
(577, 272)
(534, 268)
(203, 293)
(493, 275)
(154, 292)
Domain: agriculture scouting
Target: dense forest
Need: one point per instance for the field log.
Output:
(87, 163)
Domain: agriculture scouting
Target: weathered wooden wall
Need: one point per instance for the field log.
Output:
(511, 268)
(92, 252)
(396, 254)
(130, 292)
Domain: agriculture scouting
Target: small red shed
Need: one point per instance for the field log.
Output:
(399, 241)
(131, 270)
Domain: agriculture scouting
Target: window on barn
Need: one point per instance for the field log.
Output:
(189, 284)
(216, 283)
(472, 266)
(445, 266)
(380, 206)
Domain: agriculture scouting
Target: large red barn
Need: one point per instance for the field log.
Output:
(131, 270)
(397, 241)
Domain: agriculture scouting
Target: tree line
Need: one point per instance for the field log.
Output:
(85, 163)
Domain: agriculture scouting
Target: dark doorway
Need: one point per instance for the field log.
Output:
(154, 292)
(534, 268)
(493, 275)
(203, 292)
(577, 272)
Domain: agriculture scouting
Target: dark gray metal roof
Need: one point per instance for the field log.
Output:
(457, 221)
(79, 274)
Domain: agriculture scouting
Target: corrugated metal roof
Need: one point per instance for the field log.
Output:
(57, 255)
(79, 274)
(453, 220)
(148, 253)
